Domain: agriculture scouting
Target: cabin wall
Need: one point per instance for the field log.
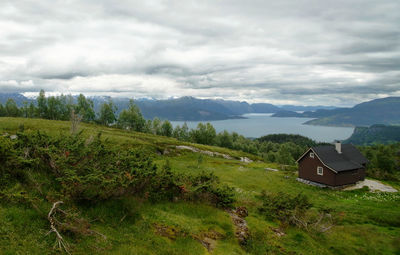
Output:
(349, 177)
(308, 170)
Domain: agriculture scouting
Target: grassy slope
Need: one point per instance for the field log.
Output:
(365, 223)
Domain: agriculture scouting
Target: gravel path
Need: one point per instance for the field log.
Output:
(372, 185)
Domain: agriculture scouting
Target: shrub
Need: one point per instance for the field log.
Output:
(206, 186)
(283, 207)
(81, 169)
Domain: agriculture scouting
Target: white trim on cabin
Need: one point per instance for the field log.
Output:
(317, 157)
(320, 170)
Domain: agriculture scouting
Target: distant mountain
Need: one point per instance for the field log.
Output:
(18, 98)
(379, 111)
(264, 108)
(284, 113)
(302, 108)
(190, 108)
(320, 113)
(375, 134)
(184, 108)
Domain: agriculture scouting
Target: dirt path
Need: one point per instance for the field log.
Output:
(373, 186)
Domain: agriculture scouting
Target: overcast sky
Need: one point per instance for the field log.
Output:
(338, 52)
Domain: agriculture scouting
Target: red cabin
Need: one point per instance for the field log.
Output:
(332, 165)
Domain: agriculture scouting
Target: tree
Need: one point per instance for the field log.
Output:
(32, 110)
(2, 111)
(283, 156)
(166, 129)
(66, 106)
(184, 135)
(12, 108)
(224, 139)
(24, 109)
(204, 134)
(107, 113)
(132, 118)
(41, 105)
(148, 126)
(53, 108)
(176, 132)
(156, 126)
(181, 133)
(85, 107)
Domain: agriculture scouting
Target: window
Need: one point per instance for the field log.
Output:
(320, 170)
(311, 155)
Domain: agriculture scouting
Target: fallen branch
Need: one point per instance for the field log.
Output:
(62, 244)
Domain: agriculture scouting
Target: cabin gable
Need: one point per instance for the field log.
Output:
(310, 169)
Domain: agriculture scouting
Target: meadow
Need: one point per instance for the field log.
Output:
(363, 222)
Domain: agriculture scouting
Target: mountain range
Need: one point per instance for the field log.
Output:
(379, 111)
(184, 108)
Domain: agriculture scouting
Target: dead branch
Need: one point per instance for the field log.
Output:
(75, 121)
(100, 234)
(60, 242)
(318, 225)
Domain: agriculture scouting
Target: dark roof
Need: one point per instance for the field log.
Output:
(350, 158)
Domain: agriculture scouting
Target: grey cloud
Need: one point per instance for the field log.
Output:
(304, 51)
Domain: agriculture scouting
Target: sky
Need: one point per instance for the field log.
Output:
(331, 52)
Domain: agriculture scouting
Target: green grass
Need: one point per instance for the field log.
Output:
(365, 223)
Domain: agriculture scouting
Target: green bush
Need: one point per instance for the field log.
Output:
(206, 186)
(283, 207)
(90, 169)
(12, 164)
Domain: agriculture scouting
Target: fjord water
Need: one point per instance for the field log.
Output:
(257, 125)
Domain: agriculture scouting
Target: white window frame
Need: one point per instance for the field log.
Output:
(311, 154)
(320, 170)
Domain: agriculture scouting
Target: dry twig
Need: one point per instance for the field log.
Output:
(60, 242)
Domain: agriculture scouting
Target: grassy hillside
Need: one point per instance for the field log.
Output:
(363, 223)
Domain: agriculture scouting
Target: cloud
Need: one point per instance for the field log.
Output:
(302, 52)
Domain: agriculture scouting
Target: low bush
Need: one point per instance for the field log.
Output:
(92, 170)
(283, 207)
(206, 186)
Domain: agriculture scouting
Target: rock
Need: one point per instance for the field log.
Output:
(166, 231)
(245, 160)
(242, 230)
(225, 156)
(208, 243)
(208, 153)
(242, 212)
(184, 147)
(271, 169)
(209, 239)
(278, 232)
(13, 137)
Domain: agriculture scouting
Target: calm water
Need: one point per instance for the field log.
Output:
(257, 125)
